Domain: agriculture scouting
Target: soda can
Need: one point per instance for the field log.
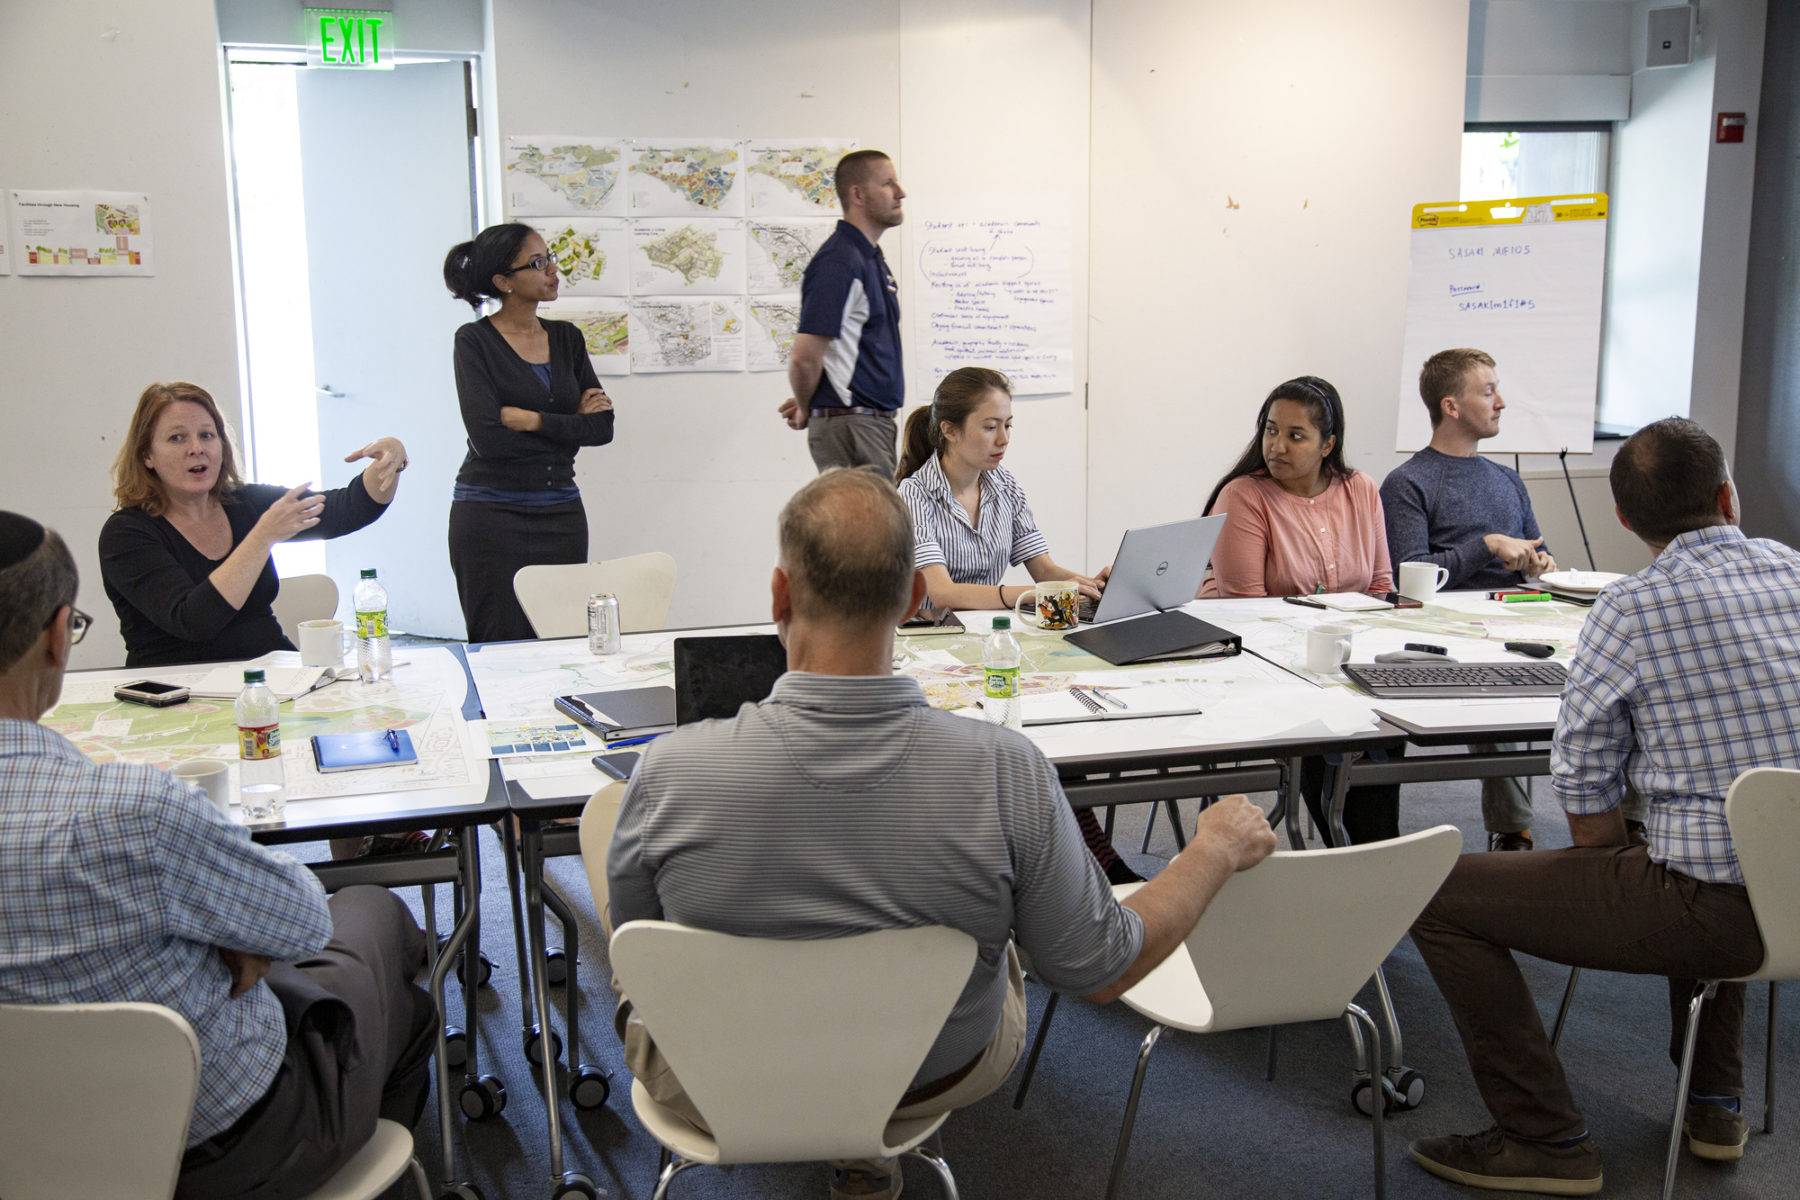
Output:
(603, 623)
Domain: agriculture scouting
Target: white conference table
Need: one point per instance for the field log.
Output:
(1262, 712)
(450, 788)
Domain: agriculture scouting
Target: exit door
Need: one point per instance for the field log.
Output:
(386, 170)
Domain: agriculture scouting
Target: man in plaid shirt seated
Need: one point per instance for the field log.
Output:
(121, 882)
(1687, 674)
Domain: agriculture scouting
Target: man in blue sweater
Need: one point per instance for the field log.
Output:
(1449, 506)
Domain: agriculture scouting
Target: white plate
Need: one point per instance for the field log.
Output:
(1579, 581)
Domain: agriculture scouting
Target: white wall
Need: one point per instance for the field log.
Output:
(140, 111)
(1549, 60)
(968, 105)
(455, 26)
(1254, 172)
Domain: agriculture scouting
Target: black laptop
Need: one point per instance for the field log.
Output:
(716, 676)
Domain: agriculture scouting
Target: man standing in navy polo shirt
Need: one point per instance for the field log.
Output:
(845, 365)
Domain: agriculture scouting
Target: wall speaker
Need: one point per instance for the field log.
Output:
(1671, 42)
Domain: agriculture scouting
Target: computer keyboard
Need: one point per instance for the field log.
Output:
(1427, 681)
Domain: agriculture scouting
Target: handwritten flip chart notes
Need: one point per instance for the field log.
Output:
(1521, 279)
(993, 289)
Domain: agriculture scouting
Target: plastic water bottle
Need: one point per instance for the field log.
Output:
(262, 787)
(1000, 668)
(374, 660)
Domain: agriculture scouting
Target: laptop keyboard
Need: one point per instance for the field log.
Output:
(1084, 611)
(1427, 681)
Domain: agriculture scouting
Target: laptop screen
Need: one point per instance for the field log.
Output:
(715, 676)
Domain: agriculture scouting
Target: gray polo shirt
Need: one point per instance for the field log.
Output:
(842, 805)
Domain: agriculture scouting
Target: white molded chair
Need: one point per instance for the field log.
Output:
(793, 1051)
(1762, 810)
(95, 1101)
(554, 597)
(1268, 951)
(304, 598)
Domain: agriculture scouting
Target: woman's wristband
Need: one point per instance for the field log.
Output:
(1001, 592)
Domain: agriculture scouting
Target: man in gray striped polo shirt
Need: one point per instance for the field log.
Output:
(844, 803)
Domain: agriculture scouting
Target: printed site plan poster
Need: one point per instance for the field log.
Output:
(82, 233)
(994, 288)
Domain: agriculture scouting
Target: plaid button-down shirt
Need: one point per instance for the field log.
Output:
(1687, 675)
(120, 882)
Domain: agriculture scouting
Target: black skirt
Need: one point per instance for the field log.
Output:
(490, 541)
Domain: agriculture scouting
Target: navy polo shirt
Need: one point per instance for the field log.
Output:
(849, 295)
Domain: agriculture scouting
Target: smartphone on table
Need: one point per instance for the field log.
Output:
(152, 693)
(617, 765)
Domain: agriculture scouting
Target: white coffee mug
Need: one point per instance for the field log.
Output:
(1421, 580)
(211, 776)
(1328, 647)
(323, 643)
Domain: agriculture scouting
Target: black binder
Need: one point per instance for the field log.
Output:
(1172, 634)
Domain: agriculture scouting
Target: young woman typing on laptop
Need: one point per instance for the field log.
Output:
(971, 521)
(970, 517)
(1301, 521)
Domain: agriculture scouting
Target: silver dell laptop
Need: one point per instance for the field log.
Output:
(1158, 567)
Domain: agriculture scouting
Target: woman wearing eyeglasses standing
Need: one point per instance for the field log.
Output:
(530, 400)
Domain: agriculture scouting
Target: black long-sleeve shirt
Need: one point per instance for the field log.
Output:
(169, 611)
(490, 376)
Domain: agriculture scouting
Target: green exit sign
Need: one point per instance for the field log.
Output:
(350, 38)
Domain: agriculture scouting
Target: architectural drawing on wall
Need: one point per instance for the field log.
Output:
(691, 178)
(592, 254)
(564, 176)
(794, 177)
(658, 225)
(769, 339)
(5, 243)
(669, 257)
(780, 249)
(605, 327)
(995, 288)
(82, 233)
(687, 334)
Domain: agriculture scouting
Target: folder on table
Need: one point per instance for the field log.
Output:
(1171, 634)
(624, 712)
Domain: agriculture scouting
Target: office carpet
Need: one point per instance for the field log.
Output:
(1209, 1124)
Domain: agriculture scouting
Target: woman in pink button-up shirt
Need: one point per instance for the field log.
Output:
(1300, 521)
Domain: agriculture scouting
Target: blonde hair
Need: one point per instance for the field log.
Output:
(136, 485)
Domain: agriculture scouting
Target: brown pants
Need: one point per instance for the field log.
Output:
(1606, 908)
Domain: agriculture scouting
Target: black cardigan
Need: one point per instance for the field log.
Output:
(170, 612)
(490, 376)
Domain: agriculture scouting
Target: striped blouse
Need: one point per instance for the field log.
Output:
(942, 533)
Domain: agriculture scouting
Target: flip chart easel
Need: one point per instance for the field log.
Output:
(1523, 280)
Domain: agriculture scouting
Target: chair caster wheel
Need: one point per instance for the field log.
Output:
(483, 971)
(461, 1191)
(483, 1098)
(456, 1047)
(1409, 1089)
(534, 1048)
(556, 968)
(589, 1088)
(574, 1183)
(1362, 1097)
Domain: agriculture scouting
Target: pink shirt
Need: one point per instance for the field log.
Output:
(1277, 544)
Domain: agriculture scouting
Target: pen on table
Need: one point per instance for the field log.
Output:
(393, 739)
(1303, 602)
(1104, 694)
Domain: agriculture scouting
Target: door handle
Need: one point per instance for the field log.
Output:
(324, 389)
